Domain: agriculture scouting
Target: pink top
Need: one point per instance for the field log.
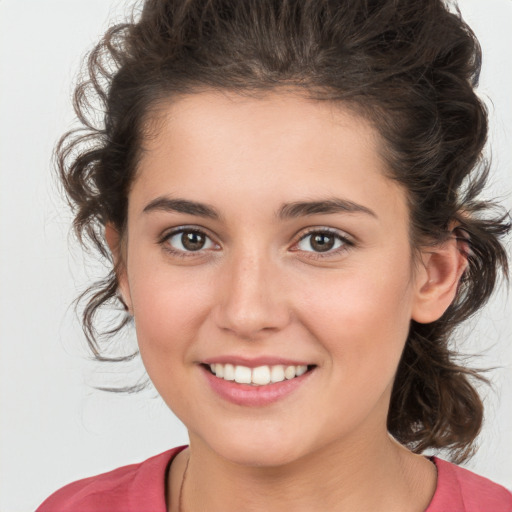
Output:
(141, 488)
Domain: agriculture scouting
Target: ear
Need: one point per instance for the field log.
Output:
(114, 241)
(437, 279)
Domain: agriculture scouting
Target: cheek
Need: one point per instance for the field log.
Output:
(167, 309)
(168, 314)
(362, 319)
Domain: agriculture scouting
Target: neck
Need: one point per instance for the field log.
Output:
(381, 475)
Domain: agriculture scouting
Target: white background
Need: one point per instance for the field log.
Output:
(54, 427)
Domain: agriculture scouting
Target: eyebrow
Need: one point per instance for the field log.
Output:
(287, 211)
(333, 205)
(166, 204)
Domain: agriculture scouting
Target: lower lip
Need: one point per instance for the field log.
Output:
(254, 396)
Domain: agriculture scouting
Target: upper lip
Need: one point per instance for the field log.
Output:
(254, 362)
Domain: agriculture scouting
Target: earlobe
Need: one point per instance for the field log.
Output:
(114, 242)
(438, 279)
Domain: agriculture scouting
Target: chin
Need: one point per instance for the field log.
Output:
(260, 457)
(259, 450)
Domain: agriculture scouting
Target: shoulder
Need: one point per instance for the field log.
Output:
(132, 488)
(461, 490)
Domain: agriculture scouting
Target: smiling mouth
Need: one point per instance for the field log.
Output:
(259, 376)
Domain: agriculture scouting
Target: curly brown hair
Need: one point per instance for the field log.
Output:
(408, 66)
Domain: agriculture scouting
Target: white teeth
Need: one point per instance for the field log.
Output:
(242, 375)
(301, 370)
(289, 372)
(259, 376)
(277, 373)
(229, 371)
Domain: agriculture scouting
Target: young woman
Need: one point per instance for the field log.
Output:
(289, 194)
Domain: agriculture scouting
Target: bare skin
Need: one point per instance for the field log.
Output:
(406, 483)
(258, 287)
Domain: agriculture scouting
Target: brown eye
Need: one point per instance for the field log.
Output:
(187, 240)
(192, 241)
(322, 242)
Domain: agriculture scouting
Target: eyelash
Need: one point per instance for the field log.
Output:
(178, 252)
(346, 242)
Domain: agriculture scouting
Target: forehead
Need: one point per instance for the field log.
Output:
(217, 145)
(256, 117)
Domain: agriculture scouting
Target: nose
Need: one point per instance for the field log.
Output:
(251, 301)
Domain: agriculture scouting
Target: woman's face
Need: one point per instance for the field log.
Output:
(264, 233)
